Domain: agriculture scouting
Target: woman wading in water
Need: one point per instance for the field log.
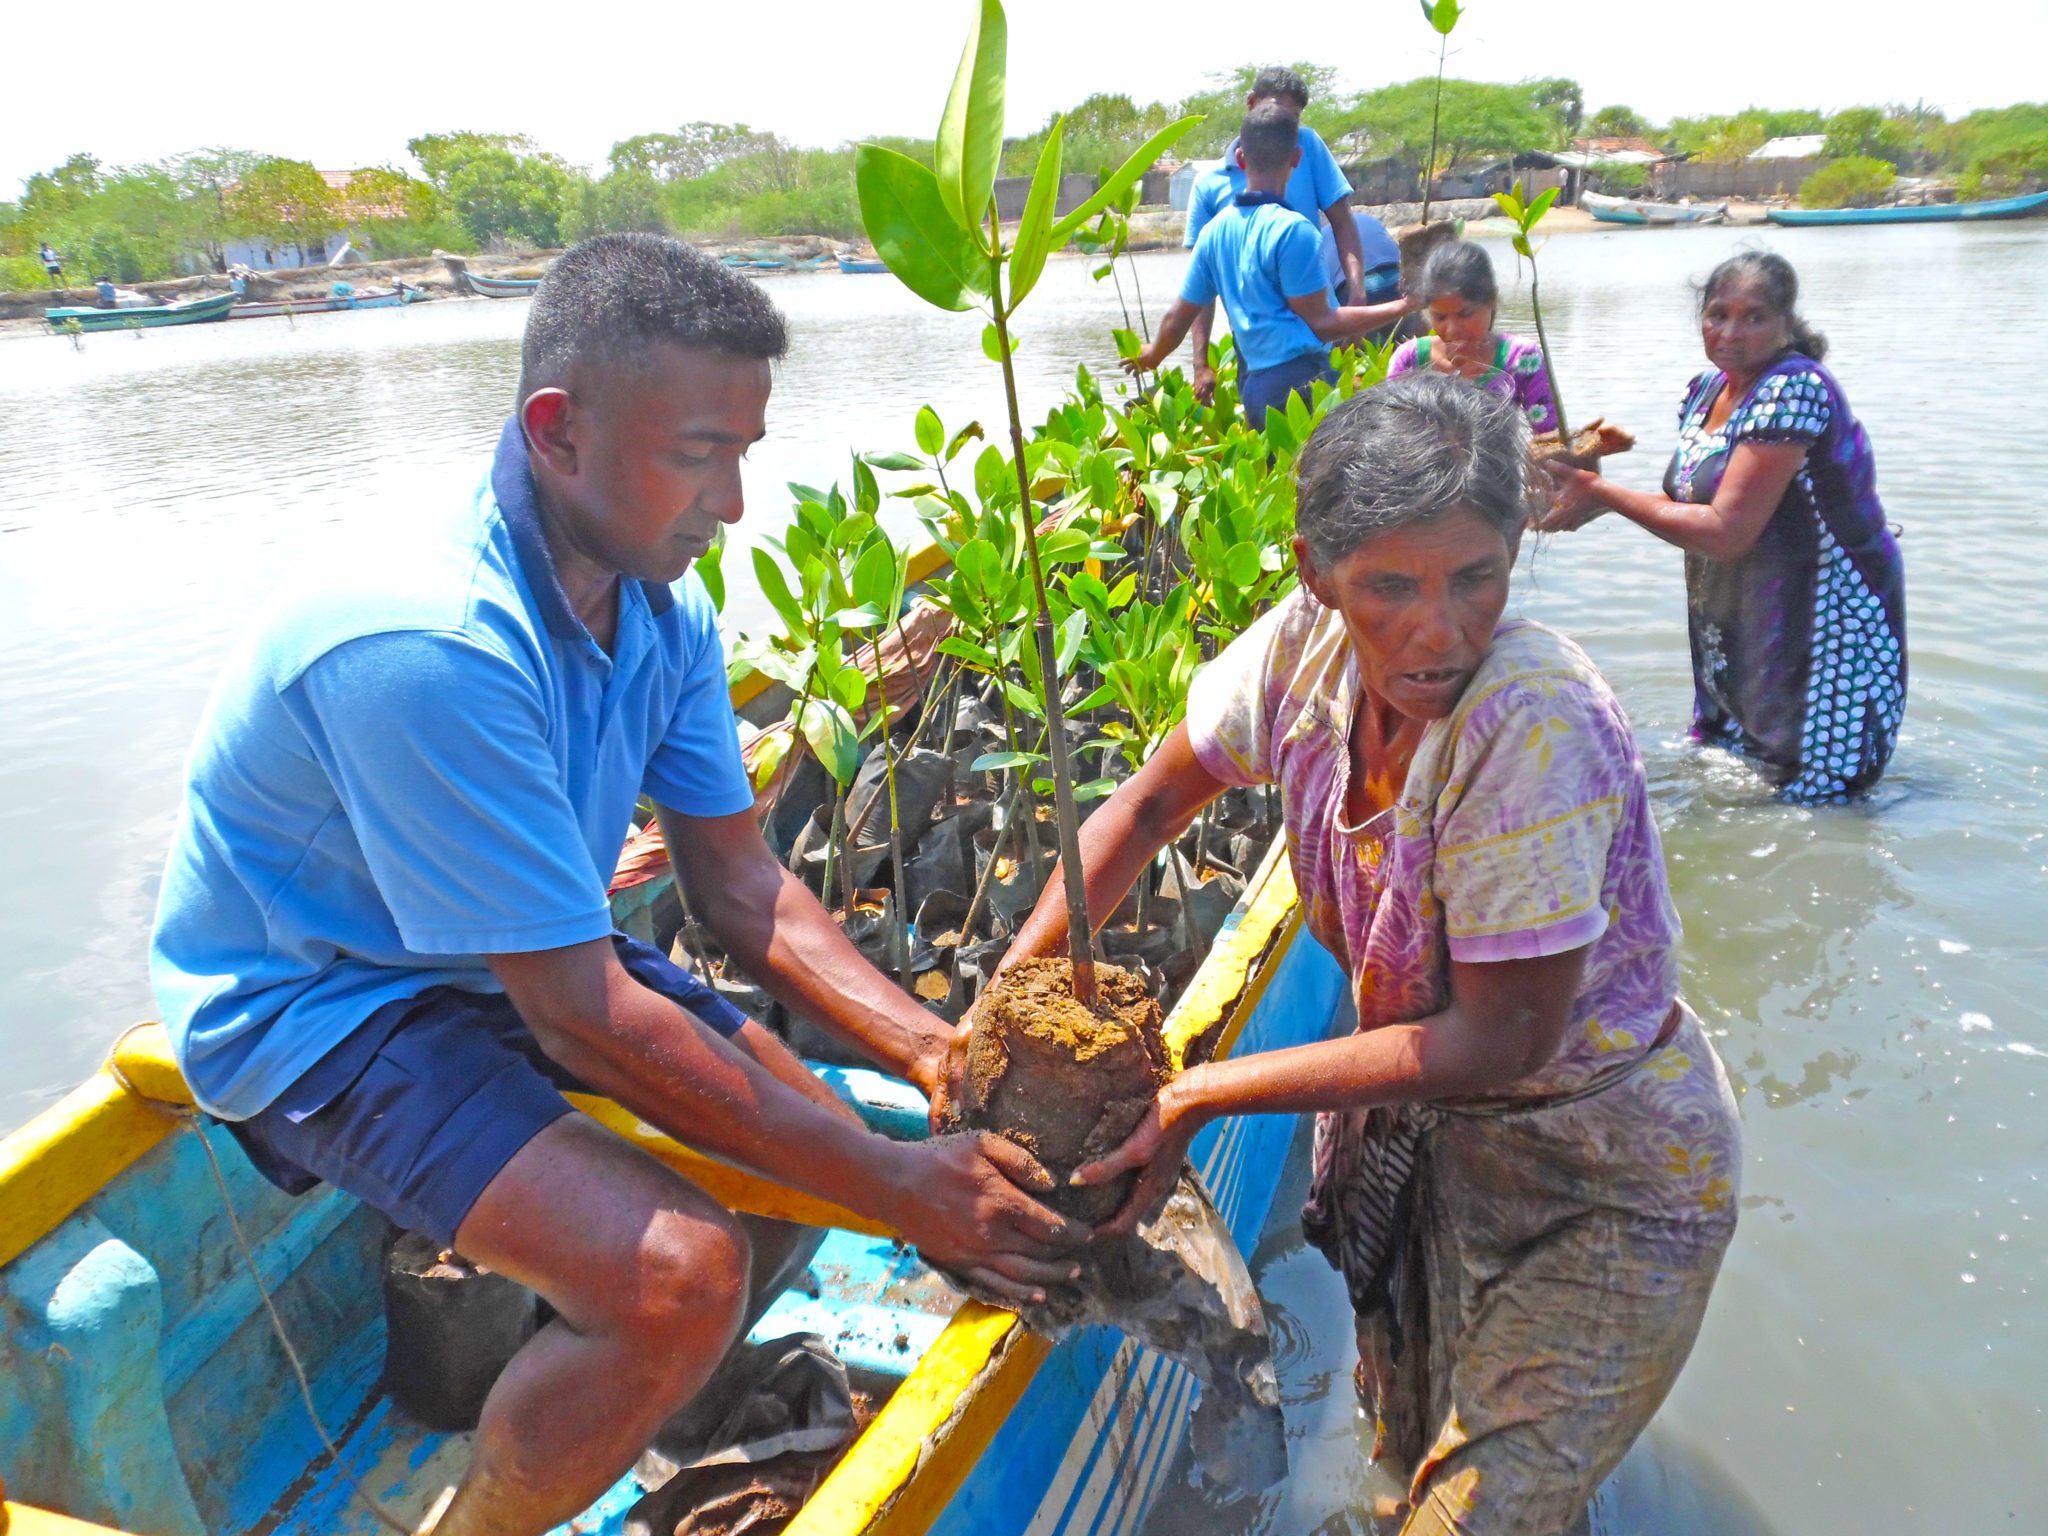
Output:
(1526, 1159)
(1795, 592)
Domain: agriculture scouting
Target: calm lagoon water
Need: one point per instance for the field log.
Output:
(1876, 1358)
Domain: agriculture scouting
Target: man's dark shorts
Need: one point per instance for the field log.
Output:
(419, 1109)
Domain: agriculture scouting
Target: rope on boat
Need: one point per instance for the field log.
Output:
(198, 1121)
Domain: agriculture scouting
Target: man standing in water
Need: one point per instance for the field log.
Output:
(383, 946)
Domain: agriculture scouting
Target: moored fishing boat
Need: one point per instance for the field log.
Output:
(500, 287)
(1637, 211)
(364, 298)
(214, 306)
(2033, 204)
(854, 264)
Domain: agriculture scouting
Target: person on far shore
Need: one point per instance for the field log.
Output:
(1264, 260)
(1360, 259)
(1461, 298)
(1527, 1159)
(1795, 588)
(53, 265)
(105, 288)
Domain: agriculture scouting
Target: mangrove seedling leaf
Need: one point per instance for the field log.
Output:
(1094, 789)
(867, 495)
(1034, 231)
(992, 343)
(768, 759)
(990, 762)
(930, 432)
(711, 571)
(1443, 15)
(968, 434)
(1510, 204)
(860, 616)
(1127, 343)
(914, 233)
(830, 732)
(1113, 185)
(775, 587)
(849, 687)
(1542, 205)
(874, 576)
(896, 461)
(967, 650)
(971, 128)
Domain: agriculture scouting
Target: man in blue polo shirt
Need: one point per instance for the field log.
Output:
(1360, 259)
(1263, 260)
(383, 947)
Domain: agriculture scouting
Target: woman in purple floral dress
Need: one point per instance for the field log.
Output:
(1527, 1158)
(1461, 298)
(1795, 591)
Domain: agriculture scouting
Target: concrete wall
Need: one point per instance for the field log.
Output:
(1739, 178)
(1012, 190)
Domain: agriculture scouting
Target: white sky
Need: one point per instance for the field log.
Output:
(348, 86)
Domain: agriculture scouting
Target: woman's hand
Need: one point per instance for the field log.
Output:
(1574, 499)
(1158, 1146)
(940, 1074)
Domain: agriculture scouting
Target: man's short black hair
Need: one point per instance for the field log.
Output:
(1269, 137)
(605, 301)
(1277, 80)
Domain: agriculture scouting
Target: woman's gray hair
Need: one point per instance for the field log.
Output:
(1406, 451)
(1462, 268)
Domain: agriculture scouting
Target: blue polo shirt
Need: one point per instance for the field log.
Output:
(413, 762)
(1316, 183)
(1255, 258)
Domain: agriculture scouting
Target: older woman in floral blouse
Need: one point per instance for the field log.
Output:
(1526, 1159)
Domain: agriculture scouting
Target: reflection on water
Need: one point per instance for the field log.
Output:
(1875, 977)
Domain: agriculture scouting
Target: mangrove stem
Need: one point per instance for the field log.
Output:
(1080, 950)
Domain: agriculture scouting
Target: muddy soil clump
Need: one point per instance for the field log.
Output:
(1066, 1084)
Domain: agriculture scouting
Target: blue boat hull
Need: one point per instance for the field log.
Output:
(1932, 213)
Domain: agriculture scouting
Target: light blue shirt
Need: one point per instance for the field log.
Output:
(1317, 182)
(413, 763)
(1254, 259)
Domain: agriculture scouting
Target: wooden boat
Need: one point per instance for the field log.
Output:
(1926, 213)
(142, 1390)
(1636, 211)
(855, 264)
(364, 298)
(214, 306)
(500, 287)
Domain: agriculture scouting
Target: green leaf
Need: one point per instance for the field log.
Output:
(1127, 343)
(849, 687)
(896, 461)
(1034, 231)
(1113, 184)
(1542, 204)
(1094, 789)
(711, 571)
(1510, 204)
(1443, 15)
(1522, 247)
(914, 234)
(874, 576)
(968, 434)
(867, 495)
(992, 344)
(971, 128)
(989, 762)
(967, 650)
(830, 731)
(775, 587)
(860, 616)
(931, 432)
(1241, 564)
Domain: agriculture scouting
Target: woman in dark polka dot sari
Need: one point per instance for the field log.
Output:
(1794, 585)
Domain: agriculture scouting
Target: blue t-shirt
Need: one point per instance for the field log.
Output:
(1255, 259)
(1316, 183)
(411, 763)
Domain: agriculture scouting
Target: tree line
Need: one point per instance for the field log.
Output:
(484, 190)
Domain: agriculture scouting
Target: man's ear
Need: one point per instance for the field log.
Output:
(1295, 159)
(1238, 155)
(548, 417)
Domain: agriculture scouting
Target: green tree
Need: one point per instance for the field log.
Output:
(499, 186)
(1563, 99)
(692, 150)
(283, 202)
(204, 178)
(1478, 120)
(1999, 151)
(1868, 133)
(1860, 181)
(392, 214)
(625, 200)
(1617, 122)
(1221, 106)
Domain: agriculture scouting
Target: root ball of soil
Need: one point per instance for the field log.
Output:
(1066, 1084)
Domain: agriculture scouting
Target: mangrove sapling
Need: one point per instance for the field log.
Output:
(1442, 15)
(1598, 438)
(938, 230)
